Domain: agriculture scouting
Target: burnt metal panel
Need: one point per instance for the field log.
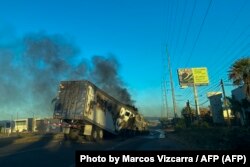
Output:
(71, 100)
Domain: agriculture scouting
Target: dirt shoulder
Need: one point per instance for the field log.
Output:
(215, 138)
(28, 138)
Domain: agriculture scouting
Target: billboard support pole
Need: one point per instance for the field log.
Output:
(196, 101)
(194, 77)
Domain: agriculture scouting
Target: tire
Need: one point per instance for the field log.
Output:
(95, 135)
(89, 138)
(100, 134)
(81, 139)
(73, 134)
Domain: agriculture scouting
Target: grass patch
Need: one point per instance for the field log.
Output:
(215, 138)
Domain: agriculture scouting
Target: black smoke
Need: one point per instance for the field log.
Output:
(31, 69)
(105, 74)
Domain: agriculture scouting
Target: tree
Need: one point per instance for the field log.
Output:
(205, 115)
(239, 73)
(188, 114)
(237, 111)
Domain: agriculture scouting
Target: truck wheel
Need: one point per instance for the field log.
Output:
(89, 138)
(95, 135)
(73, 134)
(81, 139)
(100, 134)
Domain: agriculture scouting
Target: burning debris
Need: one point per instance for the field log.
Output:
(32, 67)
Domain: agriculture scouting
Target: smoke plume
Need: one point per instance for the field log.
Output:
(32, 68)
(105, 75)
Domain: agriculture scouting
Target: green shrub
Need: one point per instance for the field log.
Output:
(200, 124)
(180, 124)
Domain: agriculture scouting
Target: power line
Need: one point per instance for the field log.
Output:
(202, 103)
(217, 72)
(188, 29)
(222, 67)
(170, 27)
(179, 30)
(227, 61)
(202, 92)
(197, 37)
(233, 43)
(226, 32)
(222, 64)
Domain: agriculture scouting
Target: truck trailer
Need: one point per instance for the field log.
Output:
(88, 112)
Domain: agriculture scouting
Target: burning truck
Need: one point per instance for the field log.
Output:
(88, 112)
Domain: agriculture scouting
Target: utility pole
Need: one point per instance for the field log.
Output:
(164, 88)
(33, 122)
(172, 84)
(225, 101)
(17, 122)
(12, 125)
(165, 100)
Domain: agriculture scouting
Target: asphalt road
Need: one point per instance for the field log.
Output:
(54, 152)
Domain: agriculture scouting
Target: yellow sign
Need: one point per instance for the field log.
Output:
(200, 76)
(191, 76)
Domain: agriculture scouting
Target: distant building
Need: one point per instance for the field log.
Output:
(23, 125)
(40, 125)
(7, 126)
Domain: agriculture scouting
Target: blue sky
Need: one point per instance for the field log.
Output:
(198, 33)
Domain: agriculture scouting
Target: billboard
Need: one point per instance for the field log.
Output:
(185, 76)
(200, 76)
(191, 76)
